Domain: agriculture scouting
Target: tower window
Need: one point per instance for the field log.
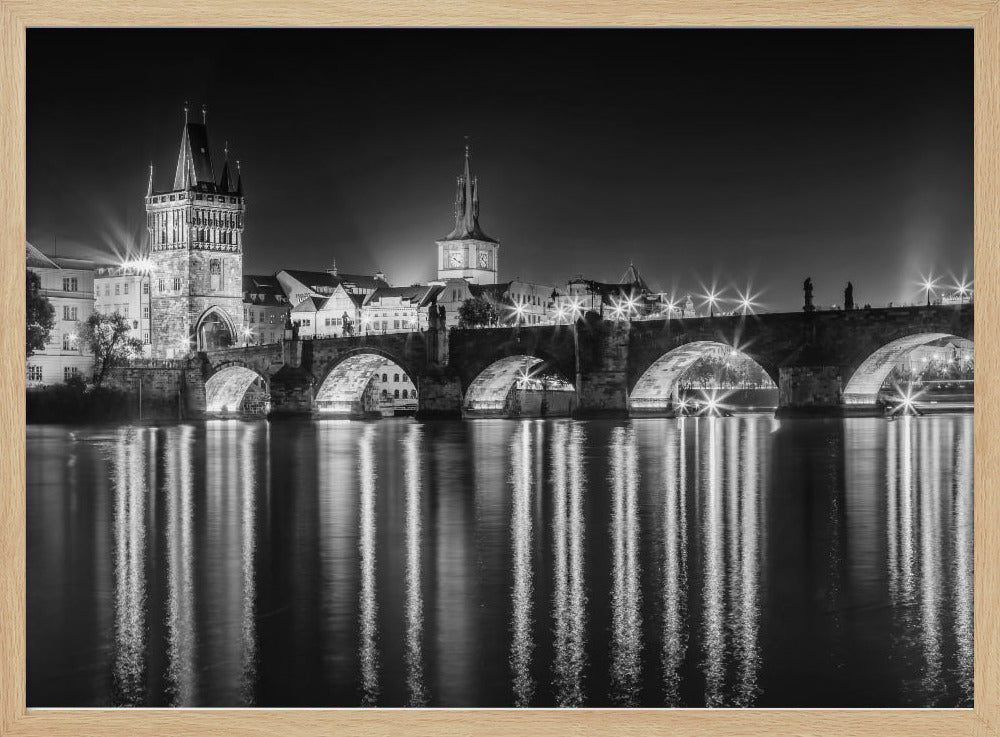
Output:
(177, 284)
(160, 286)
(215, 274)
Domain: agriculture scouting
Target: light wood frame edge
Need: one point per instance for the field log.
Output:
(15, 719)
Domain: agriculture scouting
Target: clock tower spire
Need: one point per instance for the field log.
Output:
(467, 252)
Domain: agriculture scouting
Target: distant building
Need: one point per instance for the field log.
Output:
(196, 251)
(265, 308)
(516, 302)
(297, 284)
(390, 391)
(629, 298)
(125, 290)
(467, 252)
(329, 317)
(398, 309)
(68, 284)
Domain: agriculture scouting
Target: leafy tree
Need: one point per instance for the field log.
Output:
(477, 313)
(109, 341)
(40, 315)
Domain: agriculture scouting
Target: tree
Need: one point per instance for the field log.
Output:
(109, 341)
(477, 313)
(40, 315)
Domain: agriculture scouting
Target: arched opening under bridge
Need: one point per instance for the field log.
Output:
(519, 386)
(703, 376)
(367, 385)
(215, 330)
(236, 389)
(938, 368)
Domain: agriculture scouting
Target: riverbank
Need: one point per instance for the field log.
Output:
(76, 403)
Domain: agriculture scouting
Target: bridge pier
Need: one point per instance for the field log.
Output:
(440, 397)
(291, 392)
(816, 391)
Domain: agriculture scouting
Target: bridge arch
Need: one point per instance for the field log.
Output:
(226, 388)
(354, 384)
(490, 391)
(867, 379)
(657, 386)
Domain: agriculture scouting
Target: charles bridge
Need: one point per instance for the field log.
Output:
(824, 362)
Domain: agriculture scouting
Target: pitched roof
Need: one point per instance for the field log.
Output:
(324, 279)
(467, 208)
(194, 160)
(263, 290)
(36, 259)
(418, 294)
(311, 304)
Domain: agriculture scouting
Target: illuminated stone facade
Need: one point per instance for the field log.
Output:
(196, 253)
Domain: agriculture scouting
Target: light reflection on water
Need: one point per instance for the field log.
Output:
(690, 562)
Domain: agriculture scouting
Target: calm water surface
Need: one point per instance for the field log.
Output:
(722, 562)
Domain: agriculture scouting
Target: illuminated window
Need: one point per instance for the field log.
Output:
(145, 287)
(177, 284)
(118, 289)
(67, 343)
(145, 312)
(34, 373)
(159, 285)
(69, 284)
(126, 288)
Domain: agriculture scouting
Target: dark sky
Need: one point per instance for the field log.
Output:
(702, 155)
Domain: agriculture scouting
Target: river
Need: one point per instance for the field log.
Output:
(739, 561)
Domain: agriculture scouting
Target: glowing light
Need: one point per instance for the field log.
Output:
(576, 307)
(711, 298)
(928, 283)
(906, 400)
(713, 406)
(519, 308)
(747, 301)
(560, 313)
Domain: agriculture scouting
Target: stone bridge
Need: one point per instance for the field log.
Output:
(830, 362)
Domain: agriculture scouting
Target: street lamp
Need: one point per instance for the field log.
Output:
(928, 284)
(711, 298)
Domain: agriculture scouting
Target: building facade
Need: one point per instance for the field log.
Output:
(265, 310)
(467, 252)
(125, 290)
(398, 309)
(68, 284)
(196, 252)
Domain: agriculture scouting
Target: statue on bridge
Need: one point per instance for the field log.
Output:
(849, 297)
(348, 325)
(807, 287)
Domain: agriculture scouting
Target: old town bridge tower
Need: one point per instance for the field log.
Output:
(196, 251)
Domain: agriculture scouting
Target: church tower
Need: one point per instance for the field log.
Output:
(467, 252)
(196, 251)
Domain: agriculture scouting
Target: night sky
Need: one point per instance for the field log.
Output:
(725, 156)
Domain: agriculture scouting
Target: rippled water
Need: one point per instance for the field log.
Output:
(723, 562)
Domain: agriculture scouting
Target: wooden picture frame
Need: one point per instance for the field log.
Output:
(984, 719)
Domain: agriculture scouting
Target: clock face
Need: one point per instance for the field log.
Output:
(455, 259)
(484, 260)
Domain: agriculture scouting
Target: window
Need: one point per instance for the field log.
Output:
(404, 394)
(69, 284)
(395, 377)
(160, 285)
(145, 287)
(67, 342)
(395, 324)
(118, 289)
(395, 394)
(70, 314)
(215, 274)
(69, 372)
(145, 337)
(34, 373)
(107, 290)
(385, 377)
(177, 284)
(145, 312)
(253, 317)
(125, 310)
(125, 288)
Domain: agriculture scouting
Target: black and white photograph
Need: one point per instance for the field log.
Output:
(499, 368)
